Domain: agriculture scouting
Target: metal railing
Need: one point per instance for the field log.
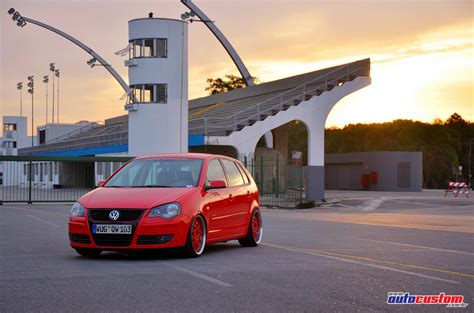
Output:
(257, 112)
(53, 179)
(74, 132)
(118, 138)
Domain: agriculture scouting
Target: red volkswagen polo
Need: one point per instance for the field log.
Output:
(164, 201)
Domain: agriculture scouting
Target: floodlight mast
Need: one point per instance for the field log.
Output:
(88, 50)
(220, 36)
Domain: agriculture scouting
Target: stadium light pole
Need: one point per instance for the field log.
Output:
(195, 11)
(56, 73)
(52, 69)
(21, 22)
(19, 86)
(31, 90)
(46, 80)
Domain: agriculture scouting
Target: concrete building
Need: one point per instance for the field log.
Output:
(377, 171)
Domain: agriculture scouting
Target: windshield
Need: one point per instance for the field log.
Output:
(158, 173)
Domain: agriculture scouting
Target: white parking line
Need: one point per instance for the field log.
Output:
(358, 262)
(202, 276)
(409, 245)
(42, 220)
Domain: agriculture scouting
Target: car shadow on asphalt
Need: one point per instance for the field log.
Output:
(161, 254)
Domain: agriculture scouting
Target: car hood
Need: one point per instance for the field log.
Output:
(132, 198)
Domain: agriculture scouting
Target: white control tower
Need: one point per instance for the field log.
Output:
(158, 77)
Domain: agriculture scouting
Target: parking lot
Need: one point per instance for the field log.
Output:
(343, 256)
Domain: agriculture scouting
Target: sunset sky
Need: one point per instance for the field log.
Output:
(422, 52)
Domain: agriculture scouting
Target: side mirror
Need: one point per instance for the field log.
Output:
(216, 184)
(101, 183)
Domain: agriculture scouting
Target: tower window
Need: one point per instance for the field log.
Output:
(157, 93)
(149, 48)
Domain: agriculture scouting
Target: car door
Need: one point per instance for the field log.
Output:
(238, 199)
(215, 201)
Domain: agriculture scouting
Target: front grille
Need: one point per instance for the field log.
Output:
(112, 240)
(79, 238)
(125, 214)
(153, 240)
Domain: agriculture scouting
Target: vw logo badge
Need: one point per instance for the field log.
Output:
(114, 215)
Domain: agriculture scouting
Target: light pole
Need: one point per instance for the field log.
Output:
(19, 86)
(46, 80)
(31, 90)
(52, 69)
(22, 21)
(56, 73)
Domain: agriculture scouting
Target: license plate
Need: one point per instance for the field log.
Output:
(111, 229)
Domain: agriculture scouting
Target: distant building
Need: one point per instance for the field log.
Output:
(378, 171)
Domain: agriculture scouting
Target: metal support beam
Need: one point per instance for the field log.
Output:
(101, 60)
(225, 43)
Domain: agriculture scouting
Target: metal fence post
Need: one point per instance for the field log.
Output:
(261, 174)
(30, 178)
(301, 184)
(277, 176)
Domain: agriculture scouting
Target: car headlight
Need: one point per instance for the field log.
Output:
(78, 210)
(166, 211)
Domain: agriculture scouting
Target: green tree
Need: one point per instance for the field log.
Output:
(230, 82)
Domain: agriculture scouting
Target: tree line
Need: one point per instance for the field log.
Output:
(445, 145)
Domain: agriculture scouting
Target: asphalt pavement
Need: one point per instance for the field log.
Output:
(342, 257)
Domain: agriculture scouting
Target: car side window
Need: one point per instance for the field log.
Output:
(214, 172)
(234, 178)
(246, 179)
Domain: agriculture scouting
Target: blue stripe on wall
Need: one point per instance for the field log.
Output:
(193, 140)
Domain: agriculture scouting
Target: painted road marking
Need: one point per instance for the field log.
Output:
(409, 245)
(347, 258)
(42, 220)
(202, 276)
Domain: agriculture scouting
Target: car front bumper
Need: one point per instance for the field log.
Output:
(148, 233)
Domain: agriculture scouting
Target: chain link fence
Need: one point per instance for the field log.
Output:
(65, 179)
(279, 184)
(52, 179)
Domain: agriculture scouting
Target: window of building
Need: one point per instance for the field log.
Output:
(42, 136)
(234, 178)
(9, 127)
(149, 48)
(156, 93)
(9, 144)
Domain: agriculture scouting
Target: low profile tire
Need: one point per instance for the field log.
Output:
(254, 231)
(89, 253)
(196, 239)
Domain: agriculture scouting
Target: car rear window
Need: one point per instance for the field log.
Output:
(234, 177)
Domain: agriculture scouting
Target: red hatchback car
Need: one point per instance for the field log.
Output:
(165, 201)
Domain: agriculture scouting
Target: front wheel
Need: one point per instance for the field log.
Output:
(197, 235)
(254, 232)
(89, 253)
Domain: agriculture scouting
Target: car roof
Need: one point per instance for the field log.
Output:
(202, 156)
